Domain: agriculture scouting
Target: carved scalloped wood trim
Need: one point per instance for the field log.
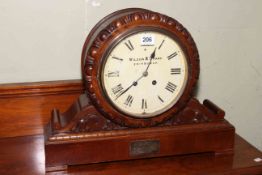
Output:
(111, 33)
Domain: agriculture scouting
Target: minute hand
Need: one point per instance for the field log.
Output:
(133, 84)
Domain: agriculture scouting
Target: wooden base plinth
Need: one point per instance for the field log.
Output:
(104, 146)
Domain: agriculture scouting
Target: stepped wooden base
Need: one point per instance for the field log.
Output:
(81, 135)
(103, 146)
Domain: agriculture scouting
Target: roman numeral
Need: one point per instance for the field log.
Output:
(117, 89)
(160, 99)
(129, 100)
(144, 104)
(161, 44)
(116, 58)
(129, 45)
(113, 74)
(174, 71)
(172, 55)
(170, 87)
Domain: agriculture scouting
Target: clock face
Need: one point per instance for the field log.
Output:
(144, 74)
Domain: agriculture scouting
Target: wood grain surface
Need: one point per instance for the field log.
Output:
(25, 155)
(26, 107)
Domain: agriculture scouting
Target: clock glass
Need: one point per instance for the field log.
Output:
(144, 74)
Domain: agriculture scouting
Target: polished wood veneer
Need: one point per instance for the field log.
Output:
(25, 155)
(25, 107)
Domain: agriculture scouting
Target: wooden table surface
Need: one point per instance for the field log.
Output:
(25, 155)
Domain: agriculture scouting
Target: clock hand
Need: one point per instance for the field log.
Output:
(133, 84)
(152, 56)
(145, 73)
(119, 95)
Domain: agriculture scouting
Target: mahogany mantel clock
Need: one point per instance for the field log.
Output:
(140, 70)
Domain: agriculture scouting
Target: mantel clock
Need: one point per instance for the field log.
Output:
(140, 70)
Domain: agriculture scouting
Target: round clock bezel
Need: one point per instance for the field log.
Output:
(122, 37)
(118, 30)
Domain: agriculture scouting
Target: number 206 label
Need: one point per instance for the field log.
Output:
(147, 40)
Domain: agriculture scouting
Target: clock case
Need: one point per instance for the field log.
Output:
(85, 133)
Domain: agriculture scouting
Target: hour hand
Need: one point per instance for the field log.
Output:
(152, 56)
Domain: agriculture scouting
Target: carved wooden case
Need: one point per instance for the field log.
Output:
(121, 24)
(93, 131)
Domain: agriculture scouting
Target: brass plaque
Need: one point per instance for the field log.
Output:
(144, 147)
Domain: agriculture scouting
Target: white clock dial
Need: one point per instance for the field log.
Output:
(145, 74)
